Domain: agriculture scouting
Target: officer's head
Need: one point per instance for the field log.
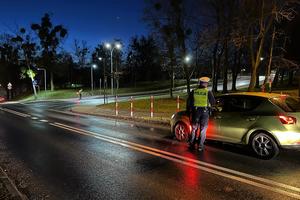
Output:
(203, 81)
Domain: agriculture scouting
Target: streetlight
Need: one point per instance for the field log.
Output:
(112, 48)
(92, 82)
(187, 59)
(104, 81)
(45, 77)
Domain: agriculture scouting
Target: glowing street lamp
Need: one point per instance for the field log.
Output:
(187, 59)
(92, 81)
(112, 48)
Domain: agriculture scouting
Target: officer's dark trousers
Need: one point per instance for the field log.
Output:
(200, 120)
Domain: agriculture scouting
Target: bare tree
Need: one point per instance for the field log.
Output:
(81, 51)
(164, 16)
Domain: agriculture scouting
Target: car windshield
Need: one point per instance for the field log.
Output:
(287, 103)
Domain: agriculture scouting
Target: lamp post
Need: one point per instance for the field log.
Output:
(92, 81)
(45, 77)
(112, 48)
(104, 80)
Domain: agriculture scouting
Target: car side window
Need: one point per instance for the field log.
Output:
(238, 103)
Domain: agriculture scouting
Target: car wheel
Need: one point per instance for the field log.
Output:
(181, 131)
(264, 146)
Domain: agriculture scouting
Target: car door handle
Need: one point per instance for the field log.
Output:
(251, 118)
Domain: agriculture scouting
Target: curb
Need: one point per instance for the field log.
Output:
(10, 187)
(135, 119)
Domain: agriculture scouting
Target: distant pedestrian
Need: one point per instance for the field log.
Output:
(199, 103)
(80, 94)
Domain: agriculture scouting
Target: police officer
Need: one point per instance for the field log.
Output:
(199, 103)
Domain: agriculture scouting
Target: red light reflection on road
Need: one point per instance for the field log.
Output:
(211, 129)
(190, 175)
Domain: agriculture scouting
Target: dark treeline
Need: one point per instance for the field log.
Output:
(223, 38)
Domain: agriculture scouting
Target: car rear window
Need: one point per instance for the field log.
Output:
(287, 103)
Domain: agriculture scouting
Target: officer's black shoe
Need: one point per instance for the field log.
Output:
(201, 148)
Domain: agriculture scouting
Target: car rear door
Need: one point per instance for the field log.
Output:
(236, 116)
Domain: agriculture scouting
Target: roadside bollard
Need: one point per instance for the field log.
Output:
(178, 106)
(117, 109)
(131, 106)
(263, 88)
(151, 106)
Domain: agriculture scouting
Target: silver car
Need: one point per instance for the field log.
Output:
(266, 122)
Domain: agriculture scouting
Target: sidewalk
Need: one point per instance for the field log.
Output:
(158, 118)
(8, 190)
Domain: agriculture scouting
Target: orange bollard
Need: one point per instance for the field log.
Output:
(151, 106)
(131, 107)
(178, 106)
(117, 106)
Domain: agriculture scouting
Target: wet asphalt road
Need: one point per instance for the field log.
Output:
(87, 157)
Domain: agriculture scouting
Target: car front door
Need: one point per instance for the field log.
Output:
(236, 116)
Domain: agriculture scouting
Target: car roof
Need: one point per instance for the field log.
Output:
(256, 94)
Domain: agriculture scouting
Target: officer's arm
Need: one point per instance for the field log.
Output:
(211, 99)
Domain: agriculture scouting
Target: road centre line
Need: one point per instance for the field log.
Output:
(235, 175)
(193, 160)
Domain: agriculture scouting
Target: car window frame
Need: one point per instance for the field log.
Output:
(238, 97)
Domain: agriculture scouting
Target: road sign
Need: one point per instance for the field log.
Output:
(9, 86)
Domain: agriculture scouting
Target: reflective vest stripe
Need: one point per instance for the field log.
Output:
(201, 97)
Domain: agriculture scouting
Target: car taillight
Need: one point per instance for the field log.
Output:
(287, 119)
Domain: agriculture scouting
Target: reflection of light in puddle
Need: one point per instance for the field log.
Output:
(34, 118)
(190, 175)
(43, 120)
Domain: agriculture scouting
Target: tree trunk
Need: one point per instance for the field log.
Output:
(234, 69)
(214, 77)
(257, 80)
(268, 70)
(255, 57)
(275, 81)
(188, 85)
(282, 77)
(291, 77)
(171, 84)
(51, 81)
(299, 88)
(225, 69)
(252, 80)
(234, 78)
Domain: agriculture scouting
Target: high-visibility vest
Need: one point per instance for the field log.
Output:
(201, 97)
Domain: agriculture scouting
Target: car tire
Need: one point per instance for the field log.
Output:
(181, 132)
(264, 146)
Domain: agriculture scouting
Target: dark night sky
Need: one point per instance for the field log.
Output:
(91, 20)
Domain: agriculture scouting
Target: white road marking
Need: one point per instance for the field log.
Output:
(15, 112)
(67, 112)
(214, 169)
